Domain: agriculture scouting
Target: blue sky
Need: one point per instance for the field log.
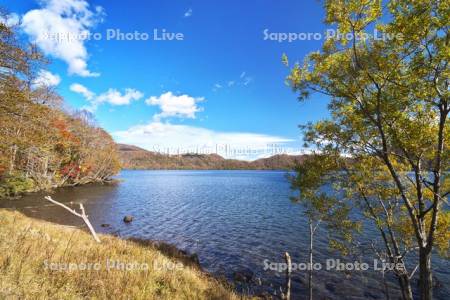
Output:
(220, 87)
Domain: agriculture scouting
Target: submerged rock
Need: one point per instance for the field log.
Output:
(128, 219)
(264, 295)
(194, 258)
(244, 275)
(258, 281)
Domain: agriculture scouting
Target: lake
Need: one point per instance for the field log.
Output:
(236, 221)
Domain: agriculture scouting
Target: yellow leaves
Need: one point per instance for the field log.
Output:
(442, 236)
(445, 184)
(294, 78)
(83, 168)
(284, 60)
(386, 99)
(329, 46)
(375, 10)
(352, 15)
(339, 246)
(428, 194)
(405, 231)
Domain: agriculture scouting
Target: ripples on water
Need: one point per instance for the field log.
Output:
(233, 220)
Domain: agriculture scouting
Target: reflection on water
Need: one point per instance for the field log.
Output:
(233, 220)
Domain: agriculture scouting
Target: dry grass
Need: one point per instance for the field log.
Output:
(27, 244)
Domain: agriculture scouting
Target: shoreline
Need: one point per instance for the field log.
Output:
(112, 180)
(188, 259)
(228, 170)
(157, 254)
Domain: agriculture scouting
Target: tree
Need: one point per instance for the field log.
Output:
(17, 65)
(319, 205)
(388, 132)
(41, 145)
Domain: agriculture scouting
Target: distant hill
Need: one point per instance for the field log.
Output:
(133, 157)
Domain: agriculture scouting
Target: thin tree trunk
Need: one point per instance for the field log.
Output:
(311, 237)
(287, 257)
(405, 287)
(425, 275)
(386, 286)
(13, 159)
(403, 278)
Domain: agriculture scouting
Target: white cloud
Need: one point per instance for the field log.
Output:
(112, 96)
(188, 13)
(69, 20)
(243, 80)
(81, 89)
(10, 19)
(247, 81)
(175, 139)
(216, 87)
(46, 78)
(182, 106)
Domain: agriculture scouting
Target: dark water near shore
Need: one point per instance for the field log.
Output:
(233, 220)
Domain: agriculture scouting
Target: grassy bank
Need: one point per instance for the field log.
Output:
(34, 254)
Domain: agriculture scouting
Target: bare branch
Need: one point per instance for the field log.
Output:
(82, 215)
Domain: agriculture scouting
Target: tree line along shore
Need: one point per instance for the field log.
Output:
(43, 144)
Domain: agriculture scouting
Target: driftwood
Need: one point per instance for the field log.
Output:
(80, 215)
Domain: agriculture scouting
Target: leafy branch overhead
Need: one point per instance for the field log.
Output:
(386, 144)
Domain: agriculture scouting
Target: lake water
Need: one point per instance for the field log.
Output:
(234, 220)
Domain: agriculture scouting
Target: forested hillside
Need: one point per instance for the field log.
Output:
(42, 145)
(133, 157)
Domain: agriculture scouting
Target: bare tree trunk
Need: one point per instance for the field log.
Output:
(287, 257)
(13, 159)
(425, 275)
(311, 240)
(403, 277)
(405, 287)
(385, 284)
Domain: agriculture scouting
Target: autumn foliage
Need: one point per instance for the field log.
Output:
(42, 145)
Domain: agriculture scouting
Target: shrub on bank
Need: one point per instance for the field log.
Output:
(15, 184)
